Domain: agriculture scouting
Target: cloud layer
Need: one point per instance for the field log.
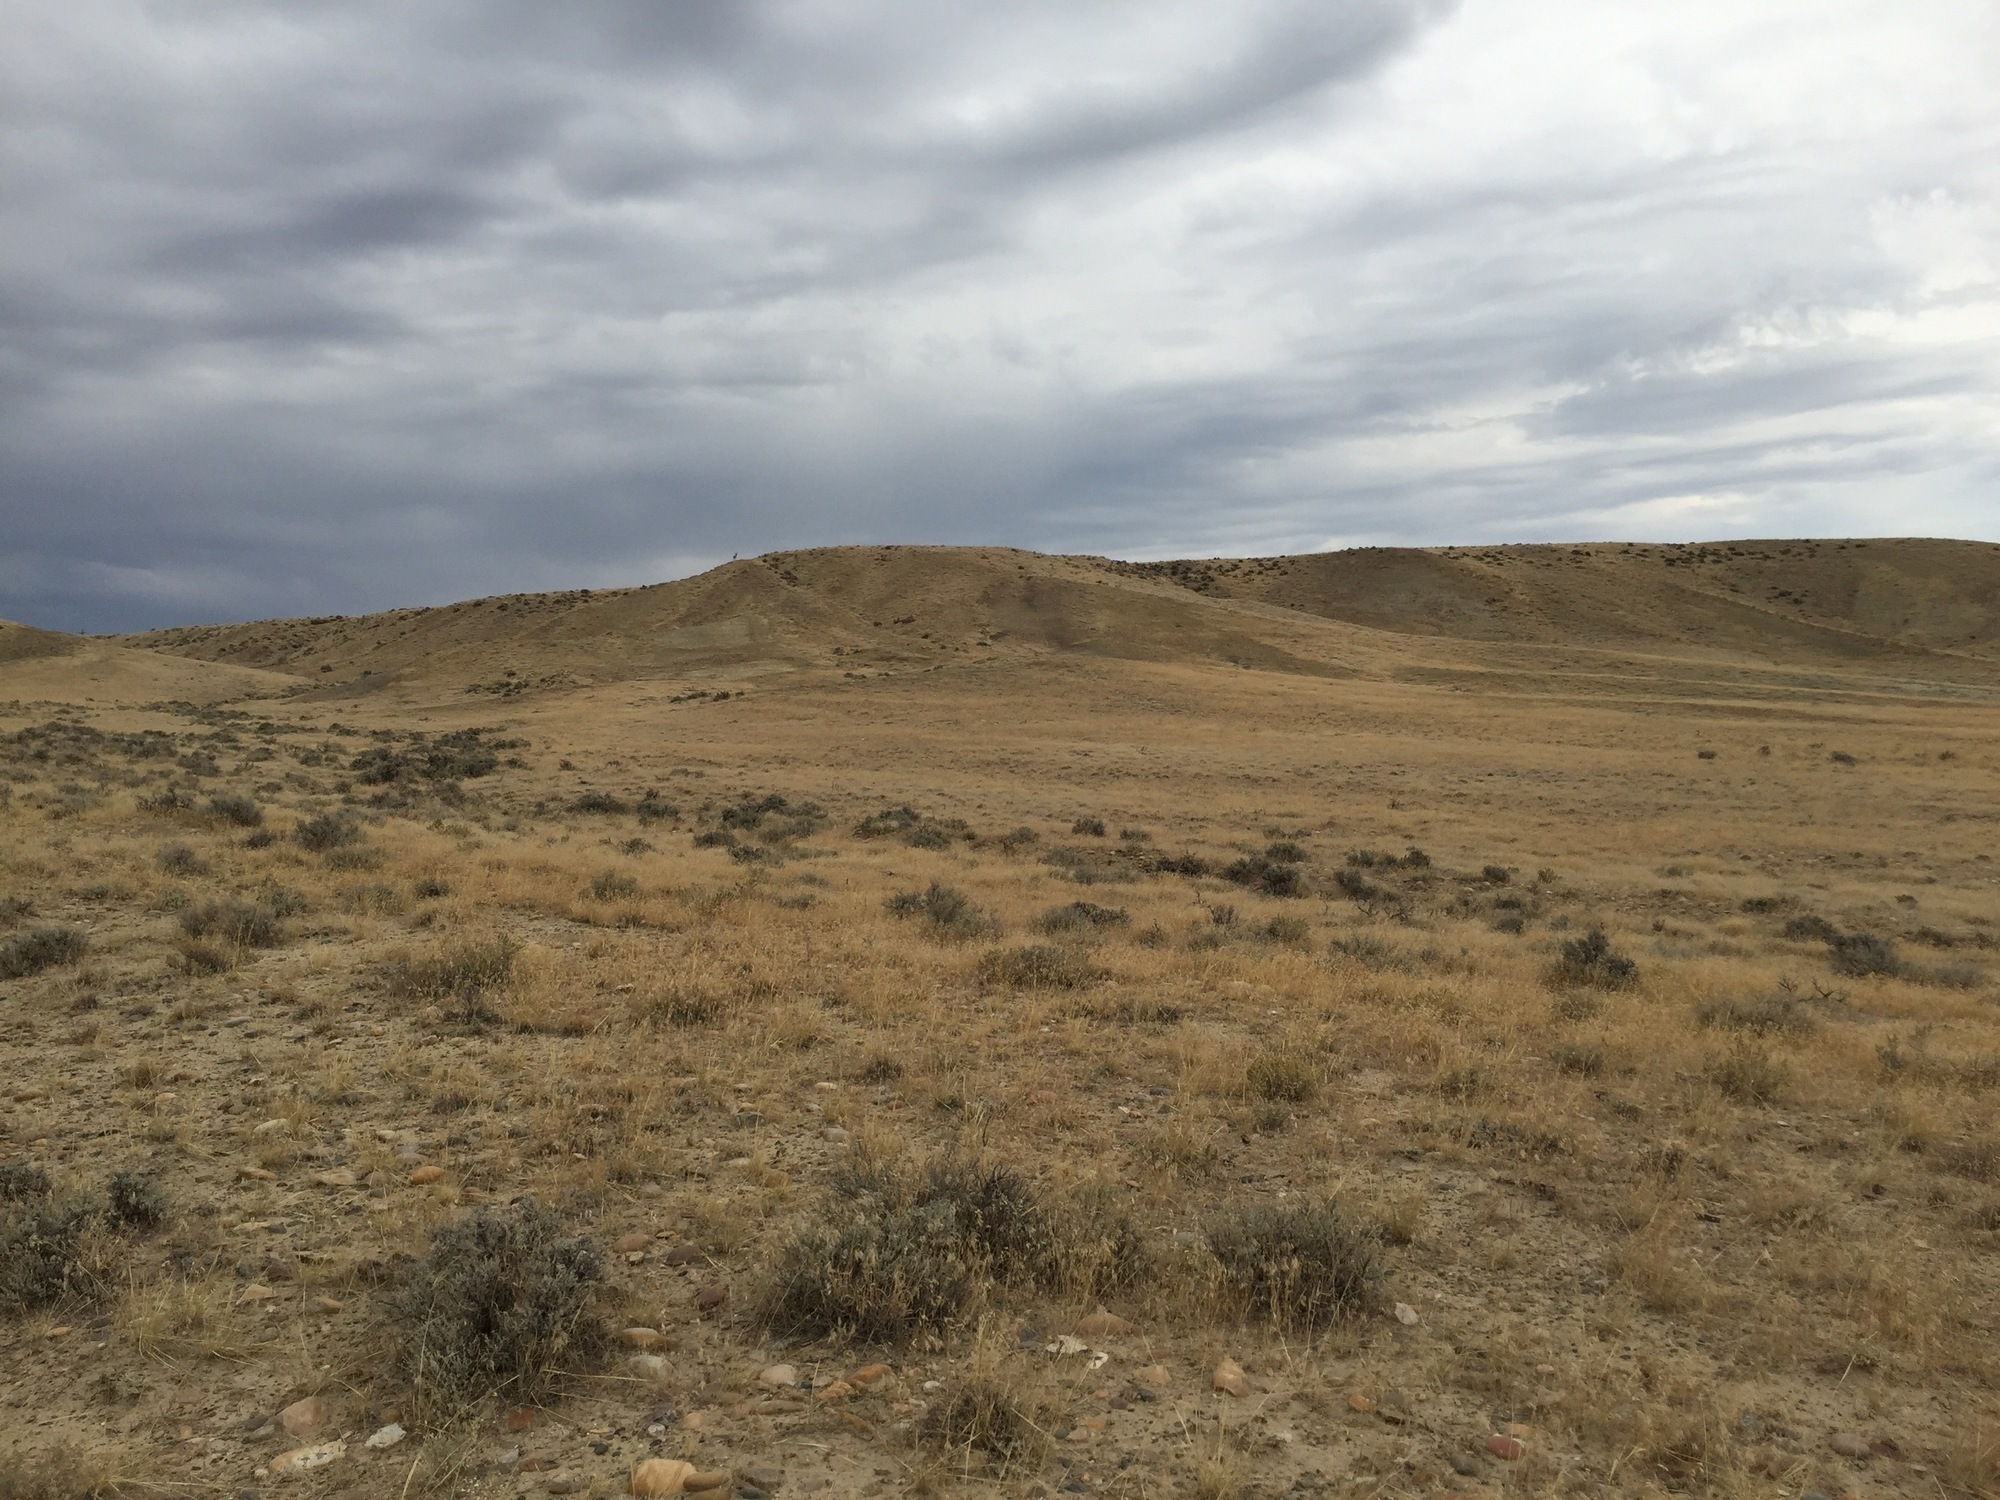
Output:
(310, 309)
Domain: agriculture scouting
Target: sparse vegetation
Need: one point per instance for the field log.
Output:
(1038, 966)
(1591, 960)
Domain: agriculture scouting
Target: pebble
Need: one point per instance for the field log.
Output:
(638, 1239)
(1462, 1465)
(318, 1456)
(305, 1417)
(1502, 1446)
(709, 1298)
(1230, 1379)
(660, 1476)
(424, 1175)
(778, 1376)
(1101, 1324)
(652, 1366)
(386, 1437)
(1851, 1445)
(562, 1484)
(1406, 1315)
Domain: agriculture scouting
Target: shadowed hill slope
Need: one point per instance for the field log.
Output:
(869, 610)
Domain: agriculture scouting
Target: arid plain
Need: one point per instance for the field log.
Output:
(913, 1021)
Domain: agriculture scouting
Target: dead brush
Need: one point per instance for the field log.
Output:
(1038, 966)
(1591, 960)
(40, 948)
(946, 911)
(990, 1416)
(458, 977)
(1301, 1265)
(1287, 1073)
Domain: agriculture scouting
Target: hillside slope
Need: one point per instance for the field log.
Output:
(1932, 607)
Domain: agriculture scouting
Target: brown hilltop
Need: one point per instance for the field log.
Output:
(1916, 608)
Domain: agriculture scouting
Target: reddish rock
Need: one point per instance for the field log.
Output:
(1500, 1445)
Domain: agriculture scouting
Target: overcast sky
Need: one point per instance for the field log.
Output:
(323, 307)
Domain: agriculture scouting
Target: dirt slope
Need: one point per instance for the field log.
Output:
(47, 666)
(1932, 607)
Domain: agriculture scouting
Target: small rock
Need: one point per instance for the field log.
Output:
(1154, 1377)
(1851, 1445)
(643, 1338)
(562, 1484)
(1358, 1402)
(712, 1479)
(652, 1366)
(426, 1175)
(683, 1255)
(1406, 1315)
(1462, 1465)
(1102, 1324)
(1502, 1446)
(1230, 1379)
(386, 1437)
(835, 1134)
(763, 1476)
(306, 1417)
(660, 1476)
(638, 1239)
(709, 1298)
(318, 1456)
(867, 1375)
(1394, 1406)
(778, 1376)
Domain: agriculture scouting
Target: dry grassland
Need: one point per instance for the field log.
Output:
(912, 1021)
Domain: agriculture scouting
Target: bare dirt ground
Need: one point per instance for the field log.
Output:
(1073, 1035)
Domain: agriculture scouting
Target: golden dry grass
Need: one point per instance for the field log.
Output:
(1681, 1231)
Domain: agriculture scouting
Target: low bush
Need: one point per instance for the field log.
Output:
(1272, 877)
(1811, 929)
(237, 922)
(500, 1305)
(1088, 827)
(1301, 1265)
(47, 1252)
(1287, 1075)
(985, 1415)
(242, 811)
(896, 1252)
(948, 911)
(1038, 966)
(1591, 960)
(459, 976)
(1080, 917)
(1767, 1016)
(21, 1179)
(1748, 1074)
(138, 1200)
(613, 885)
(325, 831)
(1857, 954)
(41, 948)
(599, 804)
(179, 859)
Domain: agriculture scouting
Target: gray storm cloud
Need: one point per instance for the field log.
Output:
(306, 309)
